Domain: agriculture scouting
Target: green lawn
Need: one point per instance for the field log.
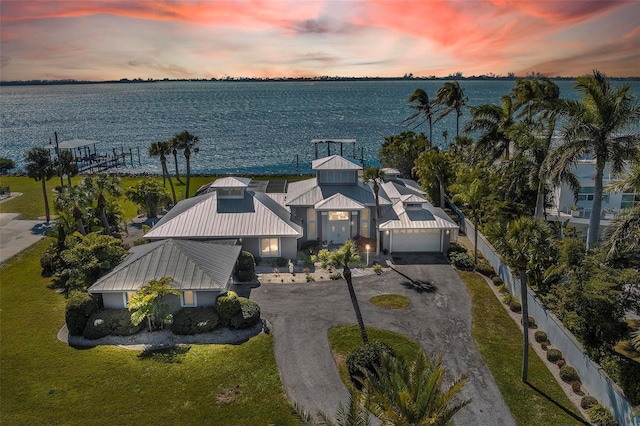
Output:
(390, 301)
(500, 343)
(44, 381)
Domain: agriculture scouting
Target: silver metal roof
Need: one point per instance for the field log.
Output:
(309, 193)
(338, 202)
(74, 143)
(207, 217)
(231, 182)
(334, 162)
(395, 189)
(193, 265)
(400, 218)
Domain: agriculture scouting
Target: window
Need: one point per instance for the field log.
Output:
(188, 298)
(338, 216)
(627, 201)
(269, 247)
(364, 223)
(312, 231)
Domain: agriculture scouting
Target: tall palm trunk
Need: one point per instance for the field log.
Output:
(441, 185)
(540, 198)
(102, 203)
(594, 221)
(525, 323)
(175, 161)
(46, 200)
(77, 215)
(165, 173)
(346, 272)
(187, 156)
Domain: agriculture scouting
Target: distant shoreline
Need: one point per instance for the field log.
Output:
(289, 79)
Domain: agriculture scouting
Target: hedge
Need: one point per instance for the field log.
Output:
(80, 306)
(246, 267)
(189, 321)
(227, 305)
(248, 316)
(111, 322)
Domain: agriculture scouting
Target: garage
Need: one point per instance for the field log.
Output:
(416, 240)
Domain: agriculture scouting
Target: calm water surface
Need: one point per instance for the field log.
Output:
(244, 127)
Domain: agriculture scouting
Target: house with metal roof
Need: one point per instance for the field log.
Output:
(200, 271)
(256, 220)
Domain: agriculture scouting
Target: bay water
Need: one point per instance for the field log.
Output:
(244, 127)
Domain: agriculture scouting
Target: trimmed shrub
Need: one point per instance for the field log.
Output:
(515, 305)
(554, 355)
(503, 289)
(248, 316)
(568, 373)
(195, 320)
(246, 267)
(497, 281)
(544, 345)
(227, 305)
(310, 278)
(366, 358)
(80, 306)
(281, 262)
(456, 248)
(576, 386)
(335, 276)
(561, 363)
(601, 415)
(485, 268)
(461, 261)
(310, 247)
(540, 336)
(111, 322)
(588, 401)
(532, 322)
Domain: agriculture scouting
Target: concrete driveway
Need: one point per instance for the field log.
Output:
(17, 235)
(440, 321)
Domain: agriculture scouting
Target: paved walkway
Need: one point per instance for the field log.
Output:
(440, 321)
(17, 235)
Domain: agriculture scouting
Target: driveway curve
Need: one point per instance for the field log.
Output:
(440, 321)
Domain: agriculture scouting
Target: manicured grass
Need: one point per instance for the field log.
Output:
(44, 381)
(343, 339)
(390, 301)
(500, 343)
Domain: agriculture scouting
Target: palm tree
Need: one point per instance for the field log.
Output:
(434, 165)
(73, 202)
(66, 165)
(624, 238)
(173, 143)
(187, 142)
(161, 149)
(40, 168)
(451, 98)
(494, 122)
(595, 128)
(423, 108)
(99, 187)
(342, 258)
(354, 414)
(472, 196)
(375, 175)
(400, 394)
(521, 245)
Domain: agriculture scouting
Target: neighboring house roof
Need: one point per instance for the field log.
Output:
(334, 162)
(231, 182)
(389, 171)
(193, 265)
(395, 189)
(338, 202)
(206, 217)
(400, 218)
(412, 199)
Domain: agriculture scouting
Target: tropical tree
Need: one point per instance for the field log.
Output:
(148, 303)
(375, 175)
(450, 97)
(432, 166)
(403, 394)
(173, 144)
(73, 202)
(401, 151)
(423, 107)
(149, 195)
(597, 127)
(66, 165)
(161, 149)
(40, 168)
(522, 244)
(472, 196)
(355, 413)
(623, 240)
(342, 258)
(494, 123)
(6, 164)
(99, 187)
(187, 142)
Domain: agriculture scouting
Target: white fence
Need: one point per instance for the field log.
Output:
(591, 374)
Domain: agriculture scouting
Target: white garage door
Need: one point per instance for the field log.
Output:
(416, 240)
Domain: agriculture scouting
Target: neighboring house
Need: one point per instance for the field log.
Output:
(200, 271)
(263, 226)
(565, 207)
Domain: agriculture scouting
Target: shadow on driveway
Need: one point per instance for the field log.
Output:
(419, 259)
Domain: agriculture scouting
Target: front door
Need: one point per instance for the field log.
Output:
(339, 227)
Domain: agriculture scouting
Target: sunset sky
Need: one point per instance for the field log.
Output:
(106, 40)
